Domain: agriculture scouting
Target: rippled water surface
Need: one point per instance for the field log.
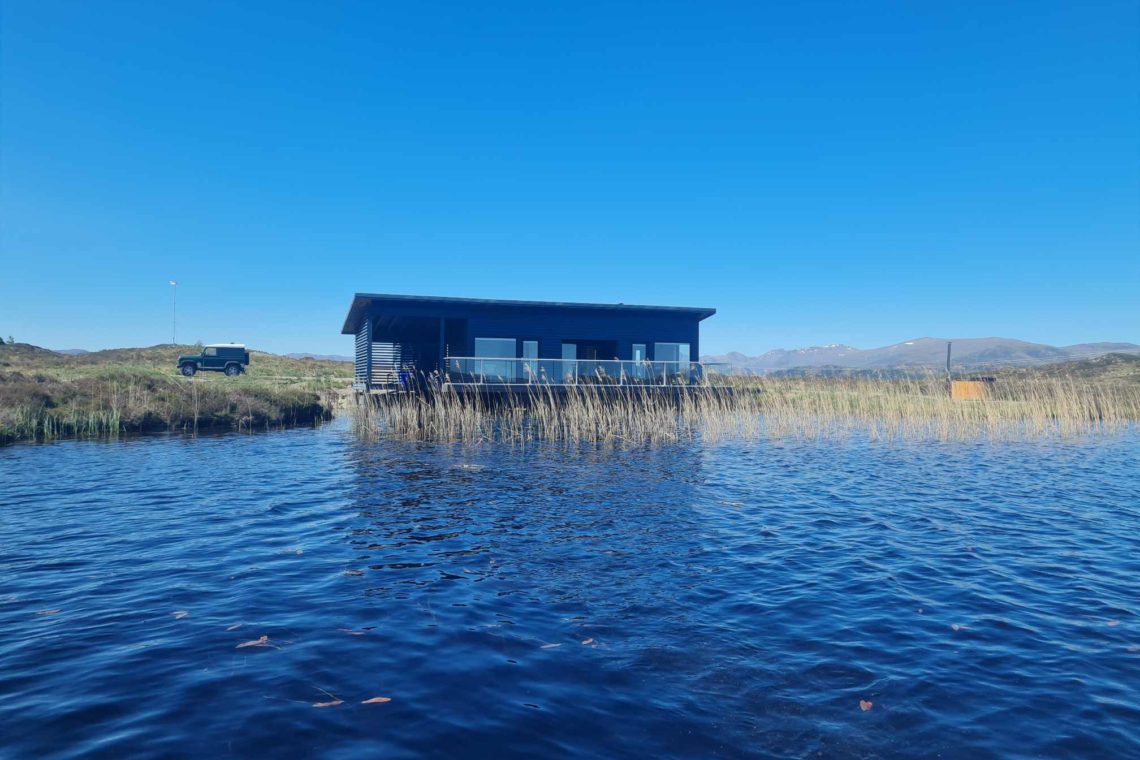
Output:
(732, 599)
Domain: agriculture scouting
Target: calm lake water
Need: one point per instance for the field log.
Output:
(728, 600)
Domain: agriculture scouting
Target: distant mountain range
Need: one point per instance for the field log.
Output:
(920, 353)
(317, 357)
(323, 357)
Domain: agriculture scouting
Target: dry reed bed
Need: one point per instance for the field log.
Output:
(917, 409)
(47, 407)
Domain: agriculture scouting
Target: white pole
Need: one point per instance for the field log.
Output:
(174, 312)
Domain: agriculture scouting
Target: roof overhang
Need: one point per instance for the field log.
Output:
(362, 301)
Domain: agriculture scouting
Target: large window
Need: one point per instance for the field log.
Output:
(500, 349)
(671, 352)
(497, 348)
(671, 359)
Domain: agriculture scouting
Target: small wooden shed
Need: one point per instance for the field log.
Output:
(974, 389)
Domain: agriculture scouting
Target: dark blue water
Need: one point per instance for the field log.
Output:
(729, 600)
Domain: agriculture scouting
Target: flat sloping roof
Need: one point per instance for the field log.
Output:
(361, 301)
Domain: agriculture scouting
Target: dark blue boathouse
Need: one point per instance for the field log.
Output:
(404, 339)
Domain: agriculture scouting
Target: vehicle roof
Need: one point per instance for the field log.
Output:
(224, 345)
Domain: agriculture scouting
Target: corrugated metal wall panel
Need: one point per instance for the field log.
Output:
(364, 352)
(386, 356)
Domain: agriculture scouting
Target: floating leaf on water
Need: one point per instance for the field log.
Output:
(551, 646)
(865, 704)
(262, 642)
(47, 612)
(1134, 647)
(354, 572)
(234, 627)
(1113, 623)
(351, 632)
(588, 641)
(956, 627)
(376, 700)
(180, 614)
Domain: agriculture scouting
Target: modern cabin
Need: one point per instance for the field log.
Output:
(403, 341)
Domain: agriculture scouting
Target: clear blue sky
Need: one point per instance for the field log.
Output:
(818, 172)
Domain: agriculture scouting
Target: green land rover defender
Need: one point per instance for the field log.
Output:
(231, 358)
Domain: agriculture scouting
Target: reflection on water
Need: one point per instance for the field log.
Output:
(735, 599)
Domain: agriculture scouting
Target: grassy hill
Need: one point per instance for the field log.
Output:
(24, 357)
(45, 394)
(918, 354)
(1123, 368)
(1115, 368)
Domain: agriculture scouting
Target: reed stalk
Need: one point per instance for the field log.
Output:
(907, 409)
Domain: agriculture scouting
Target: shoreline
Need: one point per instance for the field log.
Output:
(203, 431)
(47, 396)
(48, 429)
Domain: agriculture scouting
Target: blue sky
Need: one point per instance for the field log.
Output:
(819, 172)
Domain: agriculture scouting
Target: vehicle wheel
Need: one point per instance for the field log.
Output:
(188, 370)
(233, 370)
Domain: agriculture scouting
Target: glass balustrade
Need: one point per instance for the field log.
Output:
(493, 370)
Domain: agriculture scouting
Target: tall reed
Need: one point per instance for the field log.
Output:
(106, 404)
(915, 408)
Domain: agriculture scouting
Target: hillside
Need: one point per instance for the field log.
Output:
(46, 394)
(1115, 367)
(323, 357)
(919, 354)
(28, 358)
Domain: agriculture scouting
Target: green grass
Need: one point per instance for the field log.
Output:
(45, 396)
(161, 358)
